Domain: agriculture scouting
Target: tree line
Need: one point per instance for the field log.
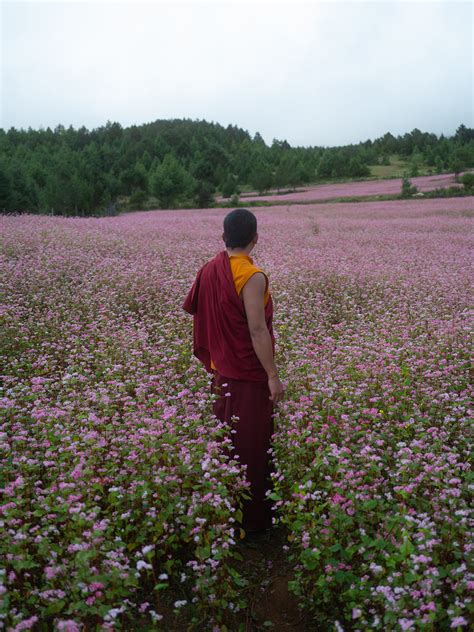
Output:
(184, 163)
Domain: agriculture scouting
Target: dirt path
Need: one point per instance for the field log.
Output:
(271, 605)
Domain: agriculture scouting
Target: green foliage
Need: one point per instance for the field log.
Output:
(288, 172)
(459, 160)
(452, 191)
(330, 165)
(261, 177)
(204, 194)
(467, 179)
(415, 163)
(439, 164)
(346, 544)
(464, 135)
(170, 181)
(79, 172)
(230, 186)
(137, 199)
(414, 171)
(356, 169)
(407, 189)
(455, 165)
(5, 189)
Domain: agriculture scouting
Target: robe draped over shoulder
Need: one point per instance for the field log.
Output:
(220, 323)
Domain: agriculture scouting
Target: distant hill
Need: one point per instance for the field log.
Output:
(184, 162)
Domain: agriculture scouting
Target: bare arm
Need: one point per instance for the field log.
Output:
(252, 294)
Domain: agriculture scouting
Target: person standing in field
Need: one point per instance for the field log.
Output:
(233, 337)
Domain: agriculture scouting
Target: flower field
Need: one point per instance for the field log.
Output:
(362, 188)
(118, 499)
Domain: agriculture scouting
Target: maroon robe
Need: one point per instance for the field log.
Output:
(221, 331)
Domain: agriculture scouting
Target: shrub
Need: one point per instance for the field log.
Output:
(408, 190)
(467, 180)
(137, 199)
(229, 187)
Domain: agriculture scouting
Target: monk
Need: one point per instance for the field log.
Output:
(233, 337)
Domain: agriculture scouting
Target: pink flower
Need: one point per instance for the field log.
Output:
(458, 621)
(68, 625)
(52, 571)
(26, 624)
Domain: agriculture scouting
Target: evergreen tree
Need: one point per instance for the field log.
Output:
(79, 171)
(407, 189)
(287, 172)
(5, 190)
(261, 178)
(467, 179)
(22, 193)
(229, 187)
(170, 181)
(356, 169)
(430, 157)
(137, 199)
(460, 159)
(439, 165)
(204, 194)
(414, 171)
(464, 134)
(456, 165)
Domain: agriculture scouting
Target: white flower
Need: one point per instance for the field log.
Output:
(146, 549)
(163, 576)
(155, 616)
(114, 612)
(142, 564)
(178, 604)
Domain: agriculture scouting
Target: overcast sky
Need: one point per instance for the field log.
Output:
(317, 73)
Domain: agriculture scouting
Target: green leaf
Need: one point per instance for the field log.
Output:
(293, 586)
(370, 504)
(203, 552)
(55, 607)
(406, 548)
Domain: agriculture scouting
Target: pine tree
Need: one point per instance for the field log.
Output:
(407, 189)
(204, 194)
(229, 187)
(171, 181)
(5, 190)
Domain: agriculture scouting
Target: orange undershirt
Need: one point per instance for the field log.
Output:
(243, 268)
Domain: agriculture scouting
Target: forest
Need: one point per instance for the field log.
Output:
(184, 163)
